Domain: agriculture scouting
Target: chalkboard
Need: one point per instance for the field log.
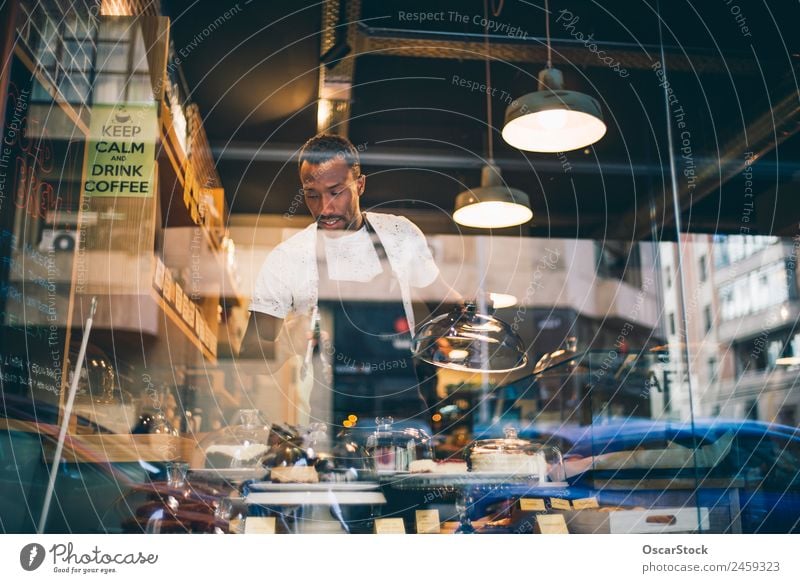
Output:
(41, 158)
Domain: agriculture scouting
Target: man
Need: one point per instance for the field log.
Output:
(341, 249)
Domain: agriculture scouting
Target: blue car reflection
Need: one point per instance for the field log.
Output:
(750, 468)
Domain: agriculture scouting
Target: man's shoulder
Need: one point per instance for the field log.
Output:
(387, 222)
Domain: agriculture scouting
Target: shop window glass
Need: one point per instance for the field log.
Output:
(593, 309)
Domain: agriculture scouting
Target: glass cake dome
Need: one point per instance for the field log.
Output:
(390, 449)
(514, 456)
(468, 341)
(244, 444)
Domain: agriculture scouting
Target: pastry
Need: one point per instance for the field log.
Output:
(294, 474)
(422, 466)
(511, 464)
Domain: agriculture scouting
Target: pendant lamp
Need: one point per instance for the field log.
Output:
(553, 119)
(493, 205)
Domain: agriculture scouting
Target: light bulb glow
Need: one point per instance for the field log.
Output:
(492, 215)
(551, 119)
(502, 300)
(324, 113)
(529, 133)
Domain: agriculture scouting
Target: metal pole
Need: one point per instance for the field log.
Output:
(679, 272)
(48, 498)
(483, 308)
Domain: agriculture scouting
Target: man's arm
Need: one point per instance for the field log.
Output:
(259, 338)
(433, 300)
(426, 282)
(270, 303)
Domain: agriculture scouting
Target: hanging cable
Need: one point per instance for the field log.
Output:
(496, 11)
(547, 33)
(490, 148)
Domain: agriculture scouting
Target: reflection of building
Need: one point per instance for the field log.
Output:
(698, 327)
(742, 311)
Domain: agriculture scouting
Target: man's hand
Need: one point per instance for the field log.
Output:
(260, 339)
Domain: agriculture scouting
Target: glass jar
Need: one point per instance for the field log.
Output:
(348, 452)
(155, 423)
(513, 456)
(243, 444)
(392, 450)
(97, 380)
(285, 448)
(345, 461)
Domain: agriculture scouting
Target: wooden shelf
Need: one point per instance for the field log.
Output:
(181, 325)
(108, 447)
(142, 314)
(180, 184)
(170, 143)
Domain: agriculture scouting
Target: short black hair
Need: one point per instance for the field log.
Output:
(324, 147)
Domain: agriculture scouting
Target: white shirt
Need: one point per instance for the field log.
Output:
(289, 279)
(351, 256)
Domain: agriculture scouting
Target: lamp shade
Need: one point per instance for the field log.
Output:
(465, 340)
(493, 205)
(553, 119)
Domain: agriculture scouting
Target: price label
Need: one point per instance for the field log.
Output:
(531, 504)
(428, 522)
(198, 323)
(560, 504)
(552, 524)
(169, 286)
(585, 503)
(259, 525)
(159, 276)
(389, 526)
(178, 299)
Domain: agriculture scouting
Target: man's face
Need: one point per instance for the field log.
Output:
(332, 191)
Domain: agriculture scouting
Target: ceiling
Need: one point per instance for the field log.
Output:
(255, 77)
